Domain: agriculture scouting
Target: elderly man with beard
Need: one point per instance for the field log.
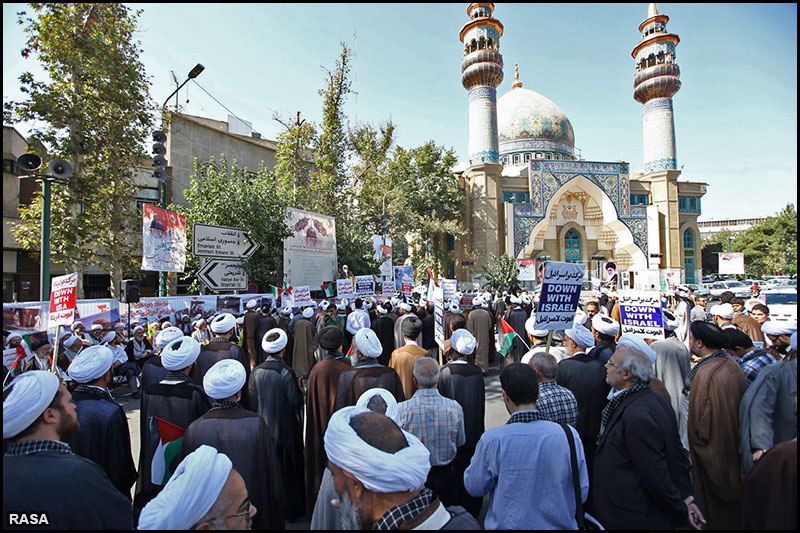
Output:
(41, 474)
(379, 471)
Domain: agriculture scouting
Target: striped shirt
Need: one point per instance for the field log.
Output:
(437, 421)
(753, 362)
(557, 403)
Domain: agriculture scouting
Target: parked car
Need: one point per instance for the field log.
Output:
(739, 289)
(782, 303)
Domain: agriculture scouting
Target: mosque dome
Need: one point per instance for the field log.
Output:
(530, 122)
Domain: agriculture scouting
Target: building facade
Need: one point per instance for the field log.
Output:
(531, 195)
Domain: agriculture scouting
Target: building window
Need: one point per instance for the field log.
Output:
(690, 205)
(527, 157)
(451, 270)
(640, 199)
(688, 255)
(516, 159)
(549, 156)
(505, 161)
(516, 197)
(572, 247)
(450, 243)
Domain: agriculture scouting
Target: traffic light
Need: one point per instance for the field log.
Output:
(159, 151)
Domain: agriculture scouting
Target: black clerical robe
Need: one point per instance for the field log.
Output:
(104, 436)
(356, 381)
(463, 382)
(242, 435)
(265, 323)
(275, 395)
(176, 400)
(321, 399)
(153, 371)
(215, 351)
(73, 491)
(516, 318)
(383, 326)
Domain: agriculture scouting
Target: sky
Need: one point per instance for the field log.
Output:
(735, 115)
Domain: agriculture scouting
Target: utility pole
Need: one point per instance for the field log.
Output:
(297, 165)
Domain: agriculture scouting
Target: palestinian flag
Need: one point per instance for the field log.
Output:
(168, 439)
(329, 289)
(506, 337)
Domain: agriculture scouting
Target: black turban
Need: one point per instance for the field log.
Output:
(738, 339)
(412, 327)
(711, 334)
(331, 338)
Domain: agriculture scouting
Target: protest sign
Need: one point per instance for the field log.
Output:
(345, 289)
(527, 269)
(406, 285)
(731, 263)
(449, 288)
(62, 300)
(365, 286)
(561, 290)
(309, 253)
(302, 295)
(640, 314)
(387, 289)
(163, 240)
(399, 272)
(438, 316)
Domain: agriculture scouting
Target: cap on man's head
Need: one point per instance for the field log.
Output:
(331, 338)
(412, 327)
(711, 335)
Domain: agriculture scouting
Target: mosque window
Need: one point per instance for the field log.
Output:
(688, 205)
(572, 247)
(527, 157)
(516, 159)
(539, 156)
(516, 197)
(688, 255)
(558, 157)
(504, 161)
(549, 156)
(640, 199)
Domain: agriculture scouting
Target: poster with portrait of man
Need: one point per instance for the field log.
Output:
(610, 275)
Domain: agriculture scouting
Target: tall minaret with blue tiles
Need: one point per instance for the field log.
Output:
(656, 81)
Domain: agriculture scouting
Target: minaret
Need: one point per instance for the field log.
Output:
(656, 81)
(481, 74)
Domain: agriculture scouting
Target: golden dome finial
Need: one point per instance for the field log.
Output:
(517, 83)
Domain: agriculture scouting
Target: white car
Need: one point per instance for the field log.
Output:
(782, 303)
(739, 289)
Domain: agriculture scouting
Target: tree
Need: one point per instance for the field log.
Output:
(232, 196)
(94, 112)
(501, 272)
(712, 246)
(770, 247)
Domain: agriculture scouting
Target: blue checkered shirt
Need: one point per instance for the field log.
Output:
(437, 421)
(557, 403)
(753, 362)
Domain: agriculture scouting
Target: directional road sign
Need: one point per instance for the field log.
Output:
(222, 275)
(222, 242)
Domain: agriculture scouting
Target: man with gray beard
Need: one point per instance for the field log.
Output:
(379, 473)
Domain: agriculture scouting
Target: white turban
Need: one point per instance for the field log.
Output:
(775, 327)
(96, 327)
(463, 341)
(580, 318)
(64, 334)
(70, 342)
(166, 336)
(515, 300)
(224, 379)
(723, 311)
(341, 307)
(180, 353)
(388, 397)
(526, 299)
(634, 341)
(286, 311)
(251, 304)
(405, 307)
(324, 305)
(165, 324)
(223, 323)
(137, 329)
(32, 392)
(454, 308)
(91, 363)
(793, 341)
(605, 325)
(671, 322)
(530, 327)
(190, 492)
(240, 321)
(403, 471)
(368, 304)
(381, 310)
(110, 336)
(477, 301)
(581, 335)
(308, 312)
(367, 343)
(277, 345)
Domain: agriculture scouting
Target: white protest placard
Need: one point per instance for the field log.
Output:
(302, 295)
(640, 314)
(345, 289)
(407, 285)
(561, 290)
(387, 289)
(449, 288)
(9, 357)
(365, 286)
(438, 316)
(731, 263)
(63, 291)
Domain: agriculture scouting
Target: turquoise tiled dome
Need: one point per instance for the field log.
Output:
(528, 121)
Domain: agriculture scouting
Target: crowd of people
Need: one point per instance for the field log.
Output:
(350, 415)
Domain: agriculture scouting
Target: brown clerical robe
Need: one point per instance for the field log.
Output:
(713, 424)
(320, 403)
(303, 357)
(357, 381)
(250, 346)
(402, 361)
(479, 323)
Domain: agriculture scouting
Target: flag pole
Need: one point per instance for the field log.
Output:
(55, 351)
(549, 340)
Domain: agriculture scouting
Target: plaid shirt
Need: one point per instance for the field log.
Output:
(395, 516)
(437, 421)
(29, 447)
(557, 403)
(753, 362)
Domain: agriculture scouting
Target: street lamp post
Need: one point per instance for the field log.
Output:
(198, 68)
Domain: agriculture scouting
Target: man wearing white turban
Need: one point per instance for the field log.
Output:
(243, 436)
(779, 333)
(153, 370)
(104, 436)
(672, 361)
(379, 471)
(276, 396)
(462, 380)
(41, 473)
(175, 399)
(367, 373)
(205, 492)
(221, 347)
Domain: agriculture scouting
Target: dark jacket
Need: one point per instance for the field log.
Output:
(641, 472)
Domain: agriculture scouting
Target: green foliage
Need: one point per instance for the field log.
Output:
(94, 112)
(232, 196)
(501, 272)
